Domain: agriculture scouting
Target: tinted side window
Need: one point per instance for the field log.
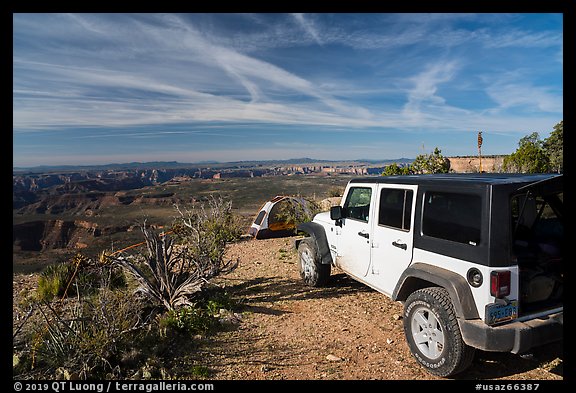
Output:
(395, 208)
(452, 216)
(357, 205)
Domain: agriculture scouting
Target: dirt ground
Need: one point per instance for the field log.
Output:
(345, 331)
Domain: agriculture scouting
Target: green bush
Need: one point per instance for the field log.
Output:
(53, 281)
(217, 301)
(81, 275)
(189, 320)
(199, 318)
(200, 371)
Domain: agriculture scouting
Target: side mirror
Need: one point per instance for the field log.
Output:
(336, 213)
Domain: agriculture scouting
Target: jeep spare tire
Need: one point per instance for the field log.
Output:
(312, 270)
(433, 334)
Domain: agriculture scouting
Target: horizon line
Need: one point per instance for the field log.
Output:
(306, 160)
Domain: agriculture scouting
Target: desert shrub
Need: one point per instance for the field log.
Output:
(218, 300)
(202, 316)
(170, 275)
(206, 230)
(336, 192)
(190, 320)
(200, 371)
(88, 337)
(53, 281)
(78, 275)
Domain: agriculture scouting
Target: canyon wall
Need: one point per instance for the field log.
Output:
(471, 164)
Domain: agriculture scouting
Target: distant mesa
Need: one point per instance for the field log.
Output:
(202, 164)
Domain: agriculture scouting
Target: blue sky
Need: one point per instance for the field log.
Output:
(113, 88)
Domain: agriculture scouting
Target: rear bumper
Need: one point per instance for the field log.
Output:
(515, 337)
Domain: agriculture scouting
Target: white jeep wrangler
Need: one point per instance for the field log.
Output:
(475, 258)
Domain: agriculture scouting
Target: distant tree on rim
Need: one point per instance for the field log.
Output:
(530, 157)
(554, 148)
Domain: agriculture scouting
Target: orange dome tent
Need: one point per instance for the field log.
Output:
(271, 223)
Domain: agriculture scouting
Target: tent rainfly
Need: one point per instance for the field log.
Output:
(269, 224)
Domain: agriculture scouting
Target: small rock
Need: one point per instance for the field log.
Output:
(265, 369)
(396, 317)
(333, 358)
(227, 317)
(389, 341)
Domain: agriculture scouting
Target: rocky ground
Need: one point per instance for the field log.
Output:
(284, 330)
(343, 331)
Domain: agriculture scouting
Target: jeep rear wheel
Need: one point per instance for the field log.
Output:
(312, 270)
(433, 334)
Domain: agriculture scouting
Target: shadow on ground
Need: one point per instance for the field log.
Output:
(252, 293)
(490, 365)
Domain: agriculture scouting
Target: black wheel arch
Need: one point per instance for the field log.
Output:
(316, 232)
(420, 275)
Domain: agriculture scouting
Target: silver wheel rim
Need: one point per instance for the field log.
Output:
(307, 263)
(427, 333)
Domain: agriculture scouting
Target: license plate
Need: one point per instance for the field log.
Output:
(497, 313)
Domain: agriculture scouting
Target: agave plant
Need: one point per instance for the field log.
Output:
(170, 275)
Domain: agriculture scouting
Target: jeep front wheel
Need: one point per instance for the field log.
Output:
(312, 270)
(433, 334)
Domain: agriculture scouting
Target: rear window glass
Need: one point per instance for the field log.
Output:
(452, 216)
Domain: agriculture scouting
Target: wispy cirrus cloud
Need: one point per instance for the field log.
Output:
(253, 79)
(422, 96)
(308, 26)
(524, 95)
(366, 74)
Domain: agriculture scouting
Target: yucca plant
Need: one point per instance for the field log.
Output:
(169, 276)
(88, 338)
(164, 277)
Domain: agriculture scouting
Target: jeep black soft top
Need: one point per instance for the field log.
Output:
(496, 189)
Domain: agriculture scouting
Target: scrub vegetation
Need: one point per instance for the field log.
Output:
(108, 317)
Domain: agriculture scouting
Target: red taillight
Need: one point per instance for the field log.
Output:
(500, 283)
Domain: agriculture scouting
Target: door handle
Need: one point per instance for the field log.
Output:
(364, 234)
(400, 245)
